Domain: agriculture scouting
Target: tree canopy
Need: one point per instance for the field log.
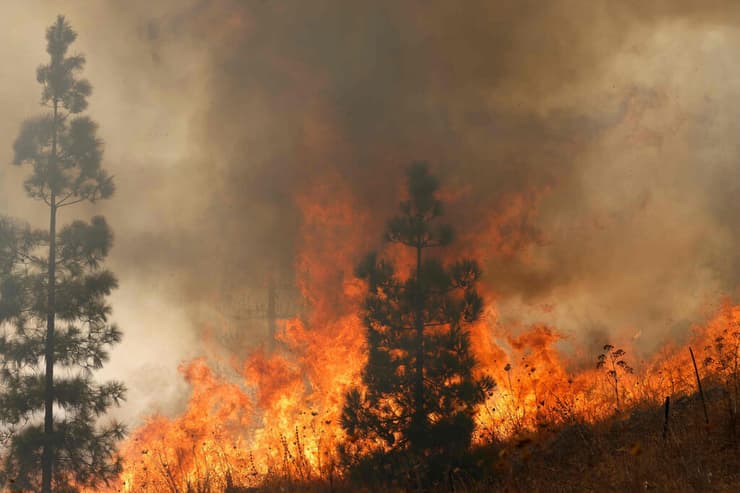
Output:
(53, 310)
(419, 387)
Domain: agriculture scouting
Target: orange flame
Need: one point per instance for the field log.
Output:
(277, 414)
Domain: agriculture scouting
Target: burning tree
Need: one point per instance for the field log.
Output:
(53, 310)
(420, 389)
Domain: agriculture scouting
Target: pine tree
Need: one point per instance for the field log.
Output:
(53, 309)
(420, 389)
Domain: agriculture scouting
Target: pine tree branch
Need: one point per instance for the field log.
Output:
(62, 203)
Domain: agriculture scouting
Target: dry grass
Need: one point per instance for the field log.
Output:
(623, 454)
(559, 451)
(627, 453)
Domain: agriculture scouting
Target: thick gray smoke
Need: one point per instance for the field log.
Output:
(608, 130)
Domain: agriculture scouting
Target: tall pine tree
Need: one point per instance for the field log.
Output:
(420, 389)
(53, 309)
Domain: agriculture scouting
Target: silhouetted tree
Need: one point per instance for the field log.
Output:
(612, 362)
(420, 389)
(53, 311)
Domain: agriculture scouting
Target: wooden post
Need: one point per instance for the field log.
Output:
(698, 383)
(667, 410)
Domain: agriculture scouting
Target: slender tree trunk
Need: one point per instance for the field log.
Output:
(419, 418)
(47, 459)
(616, 386)
(616, 394)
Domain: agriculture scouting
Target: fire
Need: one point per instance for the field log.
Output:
(276, 413)
(204, 445)
(536, 388)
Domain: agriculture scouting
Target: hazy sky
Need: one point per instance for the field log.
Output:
(599, 138)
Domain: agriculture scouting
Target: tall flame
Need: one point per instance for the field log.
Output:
(275, 413)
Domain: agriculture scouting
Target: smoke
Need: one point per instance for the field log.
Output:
(589, 148)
